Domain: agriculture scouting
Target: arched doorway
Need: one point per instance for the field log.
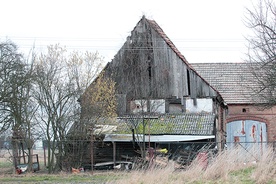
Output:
(246, 133)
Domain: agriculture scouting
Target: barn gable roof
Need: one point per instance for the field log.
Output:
(160, 31)
(198, 86)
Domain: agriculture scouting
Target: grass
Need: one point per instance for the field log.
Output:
(235, 166)
(243, 175)
(57, 178)
(5, 164)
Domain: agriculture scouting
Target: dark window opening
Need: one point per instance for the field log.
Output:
(244, 110)
(149, 67)
(188, 82)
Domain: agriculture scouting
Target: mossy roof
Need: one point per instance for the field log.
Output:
(179, 124)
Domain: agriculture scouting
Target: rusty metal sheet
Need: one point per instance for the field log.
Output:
(247, 133)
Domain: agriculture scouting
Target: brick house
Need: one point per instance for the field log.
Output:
(246, 120)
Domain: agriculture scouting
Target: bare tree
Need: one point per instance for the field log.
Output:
(57, 99)
(98, 107)
(16, 105)
(261, 19)
(61, 80)
(84, 68)
(11, 68)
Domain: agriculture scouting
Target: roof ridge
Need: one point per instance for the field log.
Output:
(221, 63)
(160, 31)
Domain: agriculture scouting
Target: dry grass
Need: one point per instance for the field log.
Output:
(230, 166)
(266, 168)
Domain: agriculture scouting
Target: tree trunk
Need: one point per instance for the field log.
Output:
(15, 155)
(30, 160)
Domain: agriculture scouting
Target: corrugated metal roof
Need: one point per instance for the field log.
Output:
(184, 124)
(155, 138)
(234, 81)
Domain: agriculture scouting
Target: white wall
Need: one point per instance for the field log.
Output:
(202, 105)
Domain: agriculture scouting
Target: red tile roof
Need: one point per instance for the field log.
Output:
(234, 81)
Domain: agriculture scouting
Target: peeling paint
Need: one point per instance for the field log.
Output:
(261, 134)
(253, 133)
(247, 133)
(236, 139)
(243, 132)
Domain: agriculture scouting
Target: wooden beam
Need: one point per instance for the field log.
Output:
(114, 152)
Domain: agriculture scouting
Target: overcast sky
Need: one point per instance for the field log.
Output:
(203, 30)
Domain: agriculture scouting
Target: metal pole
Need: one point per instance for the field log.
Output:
(149, 133)
(144, 127)
(92, 152)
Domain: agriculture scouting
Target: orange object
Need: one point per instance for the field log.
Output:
(75, 170)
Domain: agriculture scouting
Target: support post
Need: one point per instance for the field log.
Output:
(92, 151)
(114, 153)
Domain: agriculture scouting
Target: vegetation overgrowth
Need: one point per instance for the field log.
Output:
(237, 165)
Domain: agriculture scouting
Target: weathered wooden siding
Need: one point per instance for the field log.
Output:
(170, 68)
(134, 63)
(147, 67)
(167, 60)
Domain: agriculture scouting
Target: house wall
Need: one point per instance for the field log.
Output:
(250, 112)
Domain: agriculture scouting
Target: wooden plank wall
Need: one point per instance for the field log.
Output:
(146, 67)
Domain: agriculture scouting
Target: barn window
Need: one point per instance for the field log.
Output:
(149, 67)
(188, 82)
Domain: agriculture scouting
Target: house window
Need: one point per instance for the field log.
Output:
(245, 110)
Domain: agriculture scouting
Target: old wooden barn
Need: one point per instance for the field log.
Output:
(155, 81)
